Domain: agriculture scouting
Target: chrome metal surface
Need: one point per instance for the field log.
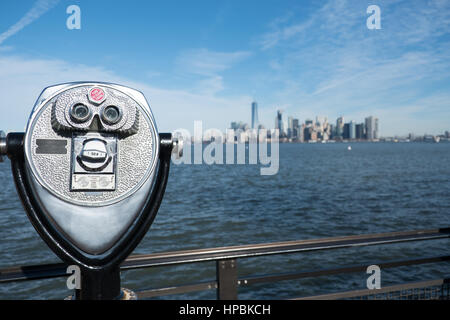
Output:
(94, 162)
(91, 192)
(132, 172)
(177, 150)
(3, 147)
(92, 229)
(63, 118)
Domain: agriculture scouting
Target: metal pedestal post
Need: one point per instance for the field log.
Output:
(99, 284)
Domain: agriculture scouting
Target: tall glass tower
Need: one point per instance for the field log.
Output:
(340, 127)
(279, 122)
(372, 128)
(254, 115)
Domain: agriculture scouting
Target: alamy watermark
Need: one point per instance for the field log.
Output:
(374, 280)
(374, 20)
(74, 280)
(74, 20)
(212, 146)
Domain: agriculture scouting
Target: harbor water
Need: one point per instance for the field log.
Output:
(320, 190)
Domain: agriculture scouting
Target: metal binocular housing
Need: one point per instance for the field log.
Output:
(91, 171)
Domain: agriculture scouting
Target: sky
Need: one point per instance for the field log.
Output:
(208, 60)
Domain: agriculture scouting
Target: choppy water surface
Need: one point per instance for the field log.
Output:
(319, 191)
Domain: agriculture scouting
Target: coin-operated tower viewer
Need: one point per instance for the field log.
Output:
(91, 171)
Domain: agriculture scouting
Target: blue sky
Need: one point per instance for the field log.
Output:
(208, 60)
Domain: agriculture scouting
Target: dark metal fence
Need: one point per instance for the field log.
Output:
(227, 281)
(424, 290)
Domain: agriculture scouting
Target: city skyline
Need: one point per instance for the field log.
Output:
(321, 130)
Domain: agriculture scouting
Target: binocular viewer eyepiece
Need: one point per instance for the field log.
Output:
(91, 170)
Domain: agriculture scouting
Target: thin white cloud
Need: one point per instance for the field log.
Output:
(22, 80)
(207, 67)
(329, 63)
(207, 62)
(271, 39)
(333, 17)
(39, 8)
(6, 48)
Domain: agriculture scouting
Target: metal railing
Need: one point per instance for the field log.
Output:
(227, 281)
(424, 290)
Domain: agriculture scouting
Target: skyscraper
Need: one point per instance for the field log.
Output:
(290, 130)
(371, 128)
(352, 129)
(375, 131)
(346, 131)
(279, 123)
(295, 129)
(359, 131)
(340, 127)
(254, 115)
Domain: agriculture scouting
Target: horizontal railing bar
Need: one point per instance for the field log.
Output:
(246, 281)
(369, 292)
(250, 280)
(177, 290)
(36, 272)
(232, 252)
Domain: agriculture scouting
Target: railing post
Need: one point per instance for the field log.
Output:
(100, 284)
(226, 271)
